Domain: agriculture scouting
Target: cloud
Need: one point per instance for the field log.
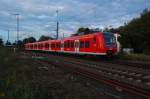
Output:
(38, 17)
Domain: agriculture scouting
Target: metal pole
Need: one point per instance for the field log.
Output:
(17, 27)
(57, 30)
(8, 36)
(63, 35)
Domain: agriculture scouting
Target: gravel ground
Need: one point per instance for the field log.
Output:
(24, 78)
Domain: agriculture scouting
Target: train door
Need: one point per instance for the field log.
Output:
(77, 46)
(62, 46)
(94, 48)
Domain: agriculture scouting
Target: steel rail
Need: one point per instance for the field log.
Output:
(93, 74)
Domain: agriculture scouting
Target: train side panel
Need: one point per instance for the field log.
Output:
(95, 44)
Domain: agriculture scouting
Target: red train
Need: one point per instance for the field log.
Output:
(100, 43)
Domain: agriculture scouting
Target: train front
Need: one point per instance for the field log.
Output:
(110, 43)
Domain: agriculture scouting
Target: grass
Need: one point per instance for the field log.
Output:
(11, 85)
(135, 57)
(21, 79)
(4, 55)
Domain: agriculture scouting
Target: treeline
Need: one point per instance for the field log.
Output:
(21, 43)
(136, 33)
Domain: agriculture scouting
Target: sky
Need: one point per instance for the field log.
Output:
(38, 17)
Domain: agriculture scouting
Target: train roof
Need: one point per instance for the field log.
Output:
(82, 36)
(72, 38)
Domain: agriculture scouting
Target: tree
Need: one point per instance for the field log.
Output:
(20, 44)
(29, 40)
(136, 33)
(83, 31)
(44, 38)
(1, 42)
(8, 43)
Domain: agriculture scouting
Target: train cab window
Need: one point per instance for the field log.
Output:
(81, 44)
(72, 44)
(94, 40)
(87, 44)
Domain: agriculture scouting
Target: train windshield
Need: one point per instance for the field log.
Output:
(109, 38)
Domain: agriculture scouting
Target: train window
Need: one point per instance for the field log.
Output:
(46, 45)
(38, 45)
(65, 44)
(68, 44)
(94, 39)
(35, 46)
(57, 45)
(31, 46)
(41, 46)
(61, 45)
(53, 45)
(87, 44)
(72, 44)
(81, 44)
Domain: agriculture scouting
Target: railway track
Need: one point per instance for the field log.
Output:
(135, 81)
(138, 64)
(127, 63)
